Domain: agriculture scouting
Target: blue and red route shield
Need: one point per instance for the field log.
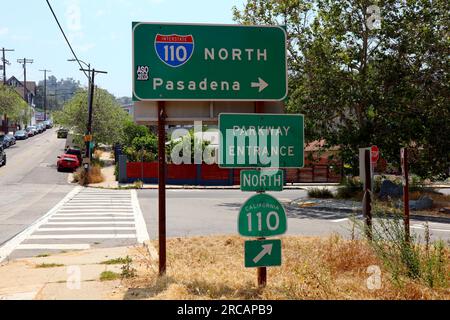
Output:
(174, 50)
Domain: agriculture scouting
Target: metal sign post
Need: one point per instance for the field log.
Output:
(162, 187)
(404, 163)
(367, 200)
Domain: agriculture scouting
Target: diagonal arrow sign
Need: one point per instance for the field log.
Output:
(261, 84)
(267, 249)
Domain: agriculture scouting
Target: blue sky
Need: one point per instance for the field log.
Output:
(99, 30)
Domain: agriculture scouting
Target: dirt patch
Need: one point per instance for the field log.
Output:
(313, 268)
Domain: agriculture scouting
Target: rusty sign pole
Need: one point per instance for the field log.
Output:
(404, 163)
(367, 194)
(261, 271)
(162, 187)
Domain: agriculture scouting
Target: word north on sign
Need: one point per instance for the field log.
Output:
(208, 62)
(258, 180)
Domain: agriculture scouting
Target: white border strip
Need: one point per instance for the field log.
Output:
(12, 244)
(141, 227)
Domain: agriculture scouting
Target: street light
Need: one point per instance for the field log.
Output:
(88, 65)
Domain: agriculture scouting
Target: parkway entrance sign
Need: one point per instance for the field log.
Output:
(208, 62)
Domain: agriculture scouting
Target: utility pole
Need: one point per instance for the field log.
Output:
(24, 62)
(45, 92)
(5, 62)
(88, 136)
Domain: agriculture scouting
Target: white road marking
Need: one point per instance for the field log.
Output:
(94, 218)
(131, 223)
(87, 214)
(12, 244)
(340, 220)
(53, 246)
(71, 216)
(141, 227)
(431, 229)
(82, 236)
(86, 229)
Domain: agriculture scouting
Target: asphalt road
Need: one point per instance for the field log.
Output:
(29, 183)
(207, 212)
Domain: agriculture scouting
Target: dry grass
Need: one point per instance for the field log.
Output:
(95, 175)
(98, 153)
(313, 268)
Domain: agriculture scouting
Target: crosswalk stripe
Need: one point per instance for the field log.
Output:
(85, 229)
(131, 223)
(82, 236)
(93, 218)
(120, 214)
(54, 246)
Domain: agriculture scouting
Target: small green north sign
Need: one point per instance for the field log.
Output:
(262, 253)
(262, 180)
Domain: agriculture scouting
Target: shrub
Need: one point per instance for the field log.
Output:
(321, 193)
(94, 176)
(406, 259)
(350, 188)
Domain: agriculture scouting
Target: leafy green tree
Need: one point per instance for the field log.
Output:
(132, 131)
(363, 80)
(109, 119)
(12, 105)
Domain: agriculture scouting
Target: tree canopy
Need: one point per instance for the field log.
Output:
(365, 74)
(109, 118)
(12, 104)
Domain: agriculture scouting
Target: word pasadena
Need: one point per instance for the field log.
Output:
(204, 85)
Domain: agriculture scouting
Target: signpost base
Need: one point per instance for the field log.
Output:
(262, 274)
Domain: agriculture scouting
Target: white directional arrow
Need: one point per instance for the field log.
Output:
(261, 84)
(267, 249)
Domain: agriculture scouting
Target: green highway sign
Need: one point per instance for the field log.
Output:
(262, 253)
(262, 180)
(262, 216)
(261, 140)
(208, 62)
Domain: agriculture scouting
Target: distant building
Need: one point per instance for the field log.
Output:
(19, 87)
(129, 108)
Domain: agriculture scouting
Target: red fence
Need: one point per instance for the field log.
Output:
(211, 174)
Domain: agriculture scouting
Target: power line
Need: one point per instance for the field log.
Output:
(65, 37)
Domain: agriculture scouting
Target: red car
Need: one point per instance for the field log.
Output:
(68, 162)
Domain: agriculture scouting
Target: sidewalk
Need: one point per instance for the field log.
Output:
(65, 276)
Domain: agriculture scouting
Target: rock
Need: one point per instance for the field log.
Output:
(423, 203)
(390, 189)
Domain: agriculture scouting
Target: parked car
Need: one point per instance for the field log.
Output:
(67, 162)
(2, 156)
(39, 128)
(48, 124)
(62, 133)
(32, 130)
(21, 135)
(4, 142)
(75, 152)
(11, 138)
